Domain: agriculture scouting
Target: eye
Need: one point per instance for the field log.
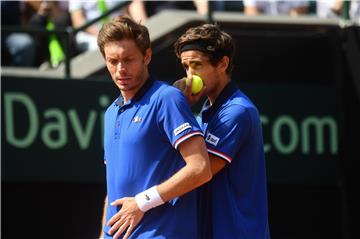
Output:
(185, 66)
(128, 59)
(196, 65)
(112, 61)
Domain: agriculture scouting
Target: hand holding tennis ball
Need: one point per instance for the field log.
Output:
(197, 84)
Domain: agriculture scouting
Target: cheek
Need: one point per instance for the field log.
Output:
(209, 79)
(206, 78)
(111, 69)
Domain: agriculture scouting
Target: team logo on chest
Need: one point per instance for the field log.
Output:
(137, 119)
(212, 139)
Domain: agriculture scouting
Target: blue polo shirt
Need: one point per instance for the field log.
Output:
(238, 201)
(141, 139)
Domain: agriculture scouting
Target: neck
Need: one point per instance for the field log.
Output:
(129, 94)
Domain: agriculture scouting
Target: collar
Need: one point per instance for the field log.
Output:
(139, 94)
(207, 111)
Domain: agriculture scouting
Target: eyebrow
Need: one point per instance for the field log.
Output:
(192, 62)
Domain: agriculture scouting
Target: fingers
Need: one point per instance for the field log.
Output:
(117, 215)
(125, 220)
(130, 227)
(129, 231)
(121, 229)
(180, 84)
(188, 86)
(118, 202)
(119, 224)
(114, 219)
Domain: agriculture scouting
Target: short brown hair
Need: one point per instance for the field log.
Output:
(121, 28)
(215, 42)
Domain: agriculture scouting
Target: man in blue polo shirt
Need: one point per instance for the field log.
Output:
(235, 199)
(155, 153)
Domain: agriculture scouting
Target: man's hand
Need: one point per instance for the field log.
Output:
(186, 89)
(126, 219)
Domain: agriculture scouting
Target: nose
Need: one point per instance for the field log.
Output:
(191, 72)
(120, 69)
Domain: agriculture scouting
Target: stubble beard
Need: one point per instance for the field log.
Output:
(137, 79)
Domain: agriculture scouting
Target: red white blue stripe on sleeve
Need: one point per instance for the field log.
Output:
(220, 155)
(187, 136)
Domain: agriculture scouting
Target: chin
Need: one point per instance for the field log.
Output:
(121, 87)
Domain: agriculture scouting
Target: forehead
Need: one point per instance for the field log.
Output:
(120, 47)
(193, 55)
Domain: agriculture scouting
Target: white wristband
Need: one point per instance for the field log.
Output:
(148, 199)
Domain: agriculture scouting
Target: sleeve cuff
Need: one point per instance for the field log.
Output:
(220, 155)
(187, 136)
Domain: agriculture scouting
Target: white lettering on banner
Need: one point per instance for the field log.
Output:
(283, 134)
(312, 131)
(54, 132)
(181, 128)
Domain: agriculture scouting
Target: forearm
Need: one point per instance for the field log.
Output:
(195, 173)
(201, 6)
(251, 11)
(78, 20)
(298, 11)
(103, 220)
(137, 11)
(182, 182)
(216, 164)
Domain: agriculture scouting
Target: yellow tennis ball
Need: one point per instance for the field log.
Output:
(197, 84)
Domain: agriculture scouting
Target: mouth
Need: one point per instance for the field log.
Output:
(123, 80)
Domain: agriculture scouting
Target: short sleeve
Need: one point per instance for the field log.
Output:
(249, 3)
(229, 132)
(75, 5)
(175, 117)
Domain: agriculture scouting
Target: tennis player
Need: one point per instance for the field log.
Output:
(234, 202)
(155, 152)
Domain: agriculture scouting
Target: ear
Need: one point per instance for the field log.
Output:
(147, 57)
(223, 64)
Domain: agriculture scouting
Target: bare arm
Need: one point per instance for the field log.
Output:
(216, 164)
(251, 10)
(137, 11)
(103, 220)
(195, 173)
(296, 11)
(202, 6)
(78, 20)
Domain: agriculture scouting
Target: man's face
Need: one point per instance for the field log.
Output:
(197, 63)
(126, 64)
